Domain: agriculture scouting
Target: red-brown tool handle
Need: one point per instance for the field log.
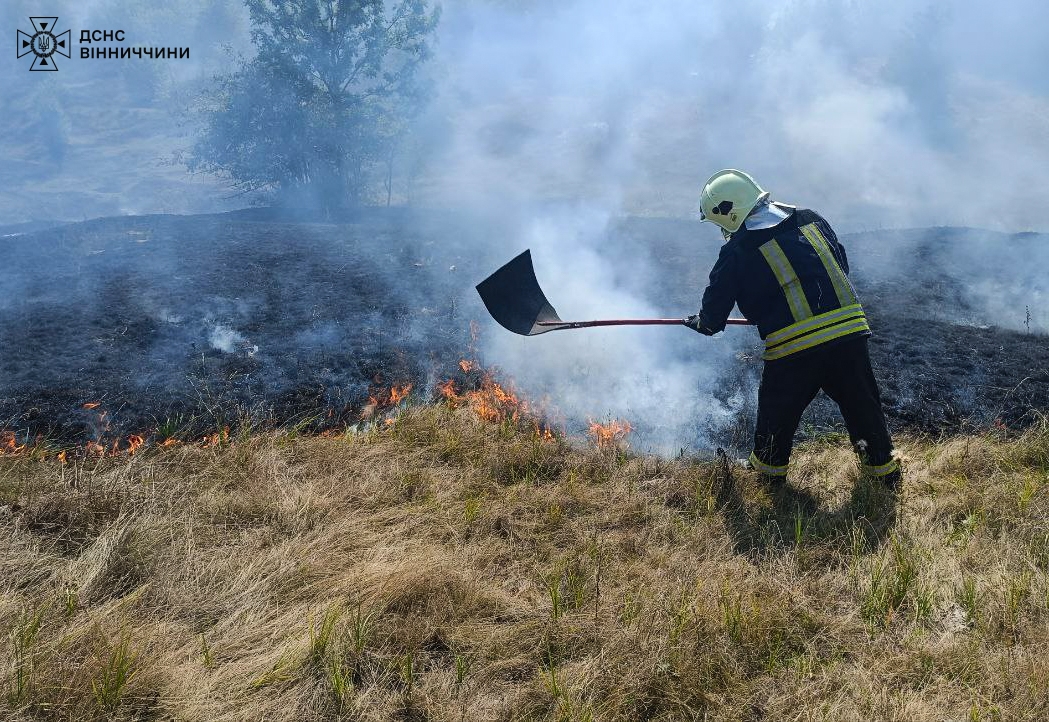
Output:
(633, 322)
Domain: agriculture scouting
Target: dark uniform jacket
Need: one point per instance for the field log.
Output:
(791, 281)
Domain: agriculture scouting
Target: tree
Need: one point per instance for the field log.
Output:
(332, 87)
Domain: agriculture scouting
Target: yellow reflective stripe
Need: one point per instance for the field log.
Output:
(812, 324)
(842, 287)
(883, 470)
(788, 279)
(766, 468)
(815, 339)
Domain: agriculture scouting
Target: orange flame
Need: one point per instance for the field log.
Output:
(219, 437)
(92, 405)
(9, 445)
(62, 457)
(491, 402)
(399, 394)
(384, 399)
(608, 434)
(467, 366)
(133, 442)
(448, 391)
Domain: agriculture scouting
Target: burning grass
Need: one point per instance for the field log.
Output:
(443, 566)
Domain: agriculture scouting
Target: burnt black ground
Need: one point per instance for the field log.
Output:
(191, 321)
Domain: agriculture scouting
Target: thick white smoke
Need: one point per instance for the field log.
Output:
(887, 115)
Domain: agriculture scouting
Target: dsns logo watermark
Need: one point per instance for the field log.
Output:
(43, 43)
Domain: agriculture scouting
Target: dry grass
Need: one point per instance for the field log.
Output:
(441, 568)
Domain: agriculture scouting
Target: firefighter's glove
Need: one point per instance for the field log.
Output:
(694, 323)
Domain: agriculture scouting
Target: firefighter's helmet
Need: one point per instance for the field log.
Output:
(728, 198)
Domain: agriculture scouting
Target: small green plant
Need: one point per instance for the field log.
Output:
(924, 602)
(552, 684)
(462, 669)
(554, 513)
(966, 527)
(553, 591)
(1026, 494)
(632, 605)
(170, 427)
(681, 616)
(733, 615)
(70, 601)
(1017, 590)
(575, 582)
(340, 682)
(891, 581)
(801, 528)
(322, 634)
(206, 656)
(777, 653)
(278, 673)
(23, 654)
(406, 668)
(360, 628)
(472, 509)
(858, 547)
(119, 667)
(968, 599)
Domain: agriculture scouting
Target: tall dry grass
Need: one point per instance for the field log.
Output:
(442, 568)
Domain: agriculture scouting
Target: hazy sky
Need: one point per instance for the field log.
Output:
(882, 114)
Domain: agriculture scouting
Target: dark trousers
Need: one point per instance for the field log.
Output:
(788, 386)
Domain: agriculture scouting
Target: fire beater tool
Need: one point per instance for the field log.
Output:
(513, 296)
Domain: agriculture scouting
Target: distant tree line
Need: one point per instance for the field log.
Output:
(318, 114)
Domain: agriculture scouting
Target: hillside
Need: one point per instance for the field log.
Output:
(440, 567)
(133, 325)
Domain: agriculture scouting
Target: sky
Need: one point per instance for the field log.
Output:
(883, 115)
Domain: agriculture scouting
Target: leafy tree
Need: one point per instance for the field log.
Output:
(332, 88)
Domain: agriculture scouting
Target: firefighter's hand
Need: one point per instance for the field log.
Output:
(694, 323)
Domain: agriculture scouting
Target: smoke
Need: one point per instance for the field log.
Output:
(660, 379)
(560, 119)
(223, 338)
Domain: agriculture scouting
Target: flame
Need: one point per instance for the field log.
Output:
(9, 445)
(62, 457)
(92, 405)
(448, 391)
(171, 441)
(219, 437)
(399, 394)
(608, 434)
(133, 442)
(385, 398)
(94, 448)
(491, 402)
(467, 366)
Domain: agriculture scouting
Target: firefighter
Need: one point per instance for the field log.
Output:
(785, 269)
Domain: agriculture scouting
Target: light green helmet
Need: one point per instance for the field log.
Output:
(728, 198)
